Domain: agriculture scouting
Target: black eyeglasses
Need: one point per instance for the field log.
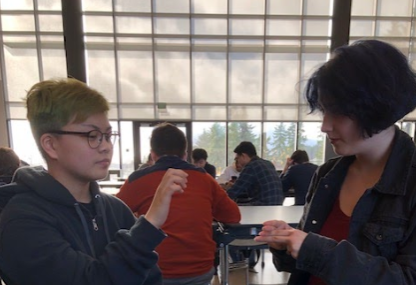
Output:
(95, 138)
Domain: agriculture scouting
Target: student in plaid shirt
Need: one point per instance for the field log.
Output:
(259, 182)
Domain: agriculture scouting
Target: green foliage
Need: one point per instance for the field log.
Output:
(238, 132)
(316, 151)
(213, 141)
(276, 147)
(281, 144)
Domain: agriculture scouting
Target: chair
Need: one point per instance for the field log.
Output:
(247, 246)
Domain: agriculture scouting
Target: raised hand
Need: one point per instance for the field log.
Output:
(174, 181)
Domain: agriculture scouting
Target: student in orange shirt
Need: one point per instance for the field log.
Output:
(187, 254)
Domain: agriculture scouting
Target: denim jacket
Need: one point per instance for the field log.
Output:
(381, 246)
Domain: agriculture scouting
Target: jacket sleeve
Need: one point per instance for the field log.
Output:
(281, 260)
(34, 251)
(286, 180)
(224, 209)
(392, 261)
(342, 263)
(245, 181)
(212, 171)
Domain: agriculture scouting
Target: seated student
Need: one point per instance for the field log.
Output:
(56, 226)
(186, 256)
(199, 159)
(297, 175)
(232, 170)
(258, 183)
(9, 163)
(148, 163)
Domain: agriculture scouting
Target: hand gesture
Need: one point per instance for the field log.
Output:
(289, 163)
(228, 185)
(173, 181)
(281, 236)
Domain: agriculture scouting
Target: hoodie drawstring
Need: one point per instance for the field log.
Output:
(102, 213)
(84, 224)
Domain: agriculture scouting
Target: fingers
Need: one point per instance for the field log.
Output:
(279, 236)
(282, 232)
(271, 229)
(174, 180)
(277, 242)
(176, 177)
(276, 224)
(290, 239)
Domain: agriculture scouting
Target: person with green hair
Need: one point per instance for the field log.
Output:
(57, 227)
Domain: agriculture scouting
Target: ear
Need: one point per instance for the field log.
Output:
(153, 155)
(185, 156)
(48, 144)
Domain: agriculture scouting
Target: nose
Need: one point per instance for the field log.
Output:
(327, 125)
(106, 145)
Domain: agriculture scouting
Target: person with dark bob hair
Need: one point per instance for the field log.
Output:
(359, 220)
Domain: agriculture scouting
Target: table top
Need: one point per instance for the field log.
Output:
(252, 219)
(256, 215)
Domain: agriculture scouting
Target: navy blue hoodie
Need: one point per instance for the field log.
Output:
(46, 237)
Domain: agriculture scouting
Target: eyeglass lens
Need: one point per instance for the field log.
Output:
(95, 138)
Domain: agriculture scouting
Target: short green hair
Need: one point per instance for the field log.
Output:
(52, 104)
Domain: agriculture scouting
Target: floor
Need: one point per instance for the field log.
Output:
(266, 275)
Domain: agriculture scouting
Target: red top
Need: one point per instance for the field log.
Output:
(189, 249)
(336, 227)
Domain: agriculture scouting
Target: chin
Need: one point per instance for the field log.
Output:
(99, 175)
(342, 152)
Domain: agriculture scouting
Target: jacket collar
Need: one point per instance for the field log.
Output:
(399, 166)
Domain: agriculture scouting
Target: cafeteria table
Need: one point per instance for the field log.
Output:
(252, 218)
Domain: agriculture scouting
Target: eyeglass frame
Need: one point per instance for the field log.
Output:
(107, 136)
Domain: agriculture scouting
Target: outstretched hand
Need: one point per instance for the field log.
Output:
(281, 236)
(172, 182)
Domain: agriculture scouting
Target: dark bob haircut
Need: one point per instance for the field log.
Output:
(247, 148)
(368, 81)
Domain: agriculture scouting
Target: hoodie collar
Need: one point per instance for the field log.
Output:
(38, 180)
